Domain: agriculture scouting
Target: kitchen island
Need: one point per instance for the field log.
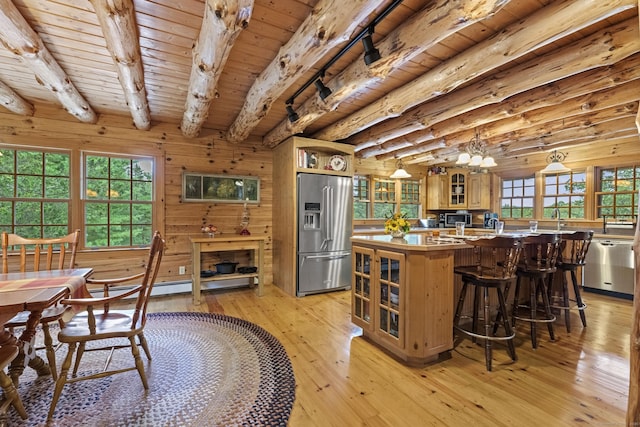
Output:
(403, 293)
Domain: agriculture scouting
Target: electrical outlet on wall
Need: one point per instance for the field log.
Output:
(182, 269)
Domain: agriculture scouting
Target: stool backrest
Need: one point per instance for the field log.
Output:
(497, 257)
(574, 247)
(540, 252)
(54, 251)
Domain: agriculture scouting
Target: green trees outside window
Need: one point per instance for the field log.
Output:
(118, 203)
(117, 196)
(35, 192)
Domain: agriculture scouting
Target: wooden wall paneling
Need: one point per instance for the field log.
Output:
(210, 154)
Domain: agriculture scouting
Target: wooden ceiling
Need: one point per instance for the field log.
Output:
(529, 76)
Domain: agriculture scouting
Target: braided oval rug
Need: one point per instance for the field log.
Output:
(207, 370)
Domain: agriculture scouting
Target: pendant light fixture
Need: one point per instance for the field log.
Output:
(475, 155)
(400, 173)
(554, 163)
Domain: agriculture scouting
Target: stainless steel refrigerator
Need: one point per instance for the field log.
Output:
(324, 231)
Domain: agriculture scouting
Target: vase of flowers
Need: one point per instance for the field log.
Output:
(397, 225)
(210, 229)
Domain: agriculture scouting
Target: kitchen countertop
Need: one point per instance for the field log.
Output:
(413, 241)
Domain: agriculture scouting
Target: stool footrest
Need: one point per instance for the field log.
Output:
(491, 337)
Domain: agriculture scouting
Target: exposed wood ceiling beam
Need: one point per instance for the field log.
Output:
(568, 136)
(14, 102)
(571, 96)
(605, 47)
(516, 40)
(442, 18)
(17, 36)
(329, 24)
(118, 21)
(222, 23)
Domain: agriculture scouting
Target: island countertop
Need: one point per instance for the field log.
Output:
(414, 242)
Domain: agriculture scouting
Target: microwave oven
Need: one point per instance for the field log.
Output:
(450, 219)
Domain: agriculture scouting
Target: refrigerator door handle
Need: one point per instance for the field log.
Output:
(328, 257)
(327, 195)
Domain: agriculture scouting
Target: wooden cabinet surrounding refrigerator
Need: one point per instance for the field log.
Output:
(293, 156)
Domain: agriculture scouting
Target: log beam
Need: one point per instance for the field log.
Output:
(118, 22)
(19, 38)
(329, 24)
(513, 42)
(14, 102)
(517, 103)
(442, 19)
(222, 23)
(603, 48)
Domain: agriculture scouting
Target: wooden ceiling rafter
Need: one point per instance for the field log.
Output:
(331, 23)
(444, 18)
(221, 25)
(606, 47)
(577, 96)
(20, 39)
(14, 102)
(118, 21)
(513, 42)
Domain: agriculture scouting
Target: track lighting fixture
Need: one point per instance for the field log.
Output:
(291, 113)
(323, 91)
(371, 54)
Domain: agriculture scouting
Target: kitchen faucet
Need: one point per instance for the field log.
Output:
(556, 215)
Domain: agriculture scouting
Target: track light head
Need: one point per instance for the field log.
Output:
(371, 54)
(291, 113)
(323, 91)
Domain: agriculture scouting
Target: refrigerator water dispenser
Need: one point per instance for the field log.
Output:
(311, 216)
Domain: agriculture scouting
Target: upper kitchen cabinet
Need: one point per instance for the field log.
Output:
(459, 189)
(479, 191)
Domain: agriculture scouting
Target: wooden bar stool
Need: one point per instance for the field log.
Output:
(538, 261)
(572, 253)
(495, 262)
(11, 396)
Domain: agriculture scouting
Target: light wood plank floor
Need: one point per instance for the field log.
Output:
(344, 380)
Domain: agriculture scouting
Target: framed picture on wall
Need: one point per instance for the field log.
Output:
(198, 187)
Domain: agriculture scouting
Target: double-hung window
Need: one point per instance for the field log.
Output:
(361, 197)
(35, 192)
(617, 194)
(38, 189)
(118, 201)
(517, 197)
(410, 198)
(565, 192)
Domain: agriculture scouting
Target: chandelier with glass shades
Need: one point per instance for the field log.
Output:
(475, 155)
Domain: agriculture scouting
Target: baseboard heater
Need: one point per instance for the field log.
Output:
(175, 287)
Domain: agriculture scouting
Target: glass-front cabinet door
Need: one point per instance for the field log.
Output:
(457, 190)
(390, 296)
(362, 298)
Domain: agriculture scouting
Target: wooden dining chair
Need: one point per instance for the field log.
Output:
(46, 254)
(11, 396)
(99, 322)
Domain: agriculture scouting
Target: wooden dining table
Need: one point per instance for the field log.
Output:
(34, 292)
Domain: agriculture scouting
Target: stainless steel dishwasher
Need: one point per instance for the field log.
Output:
(610, 267)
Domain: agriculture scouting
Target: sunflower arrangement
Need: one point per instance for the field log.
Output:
(397, 222)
